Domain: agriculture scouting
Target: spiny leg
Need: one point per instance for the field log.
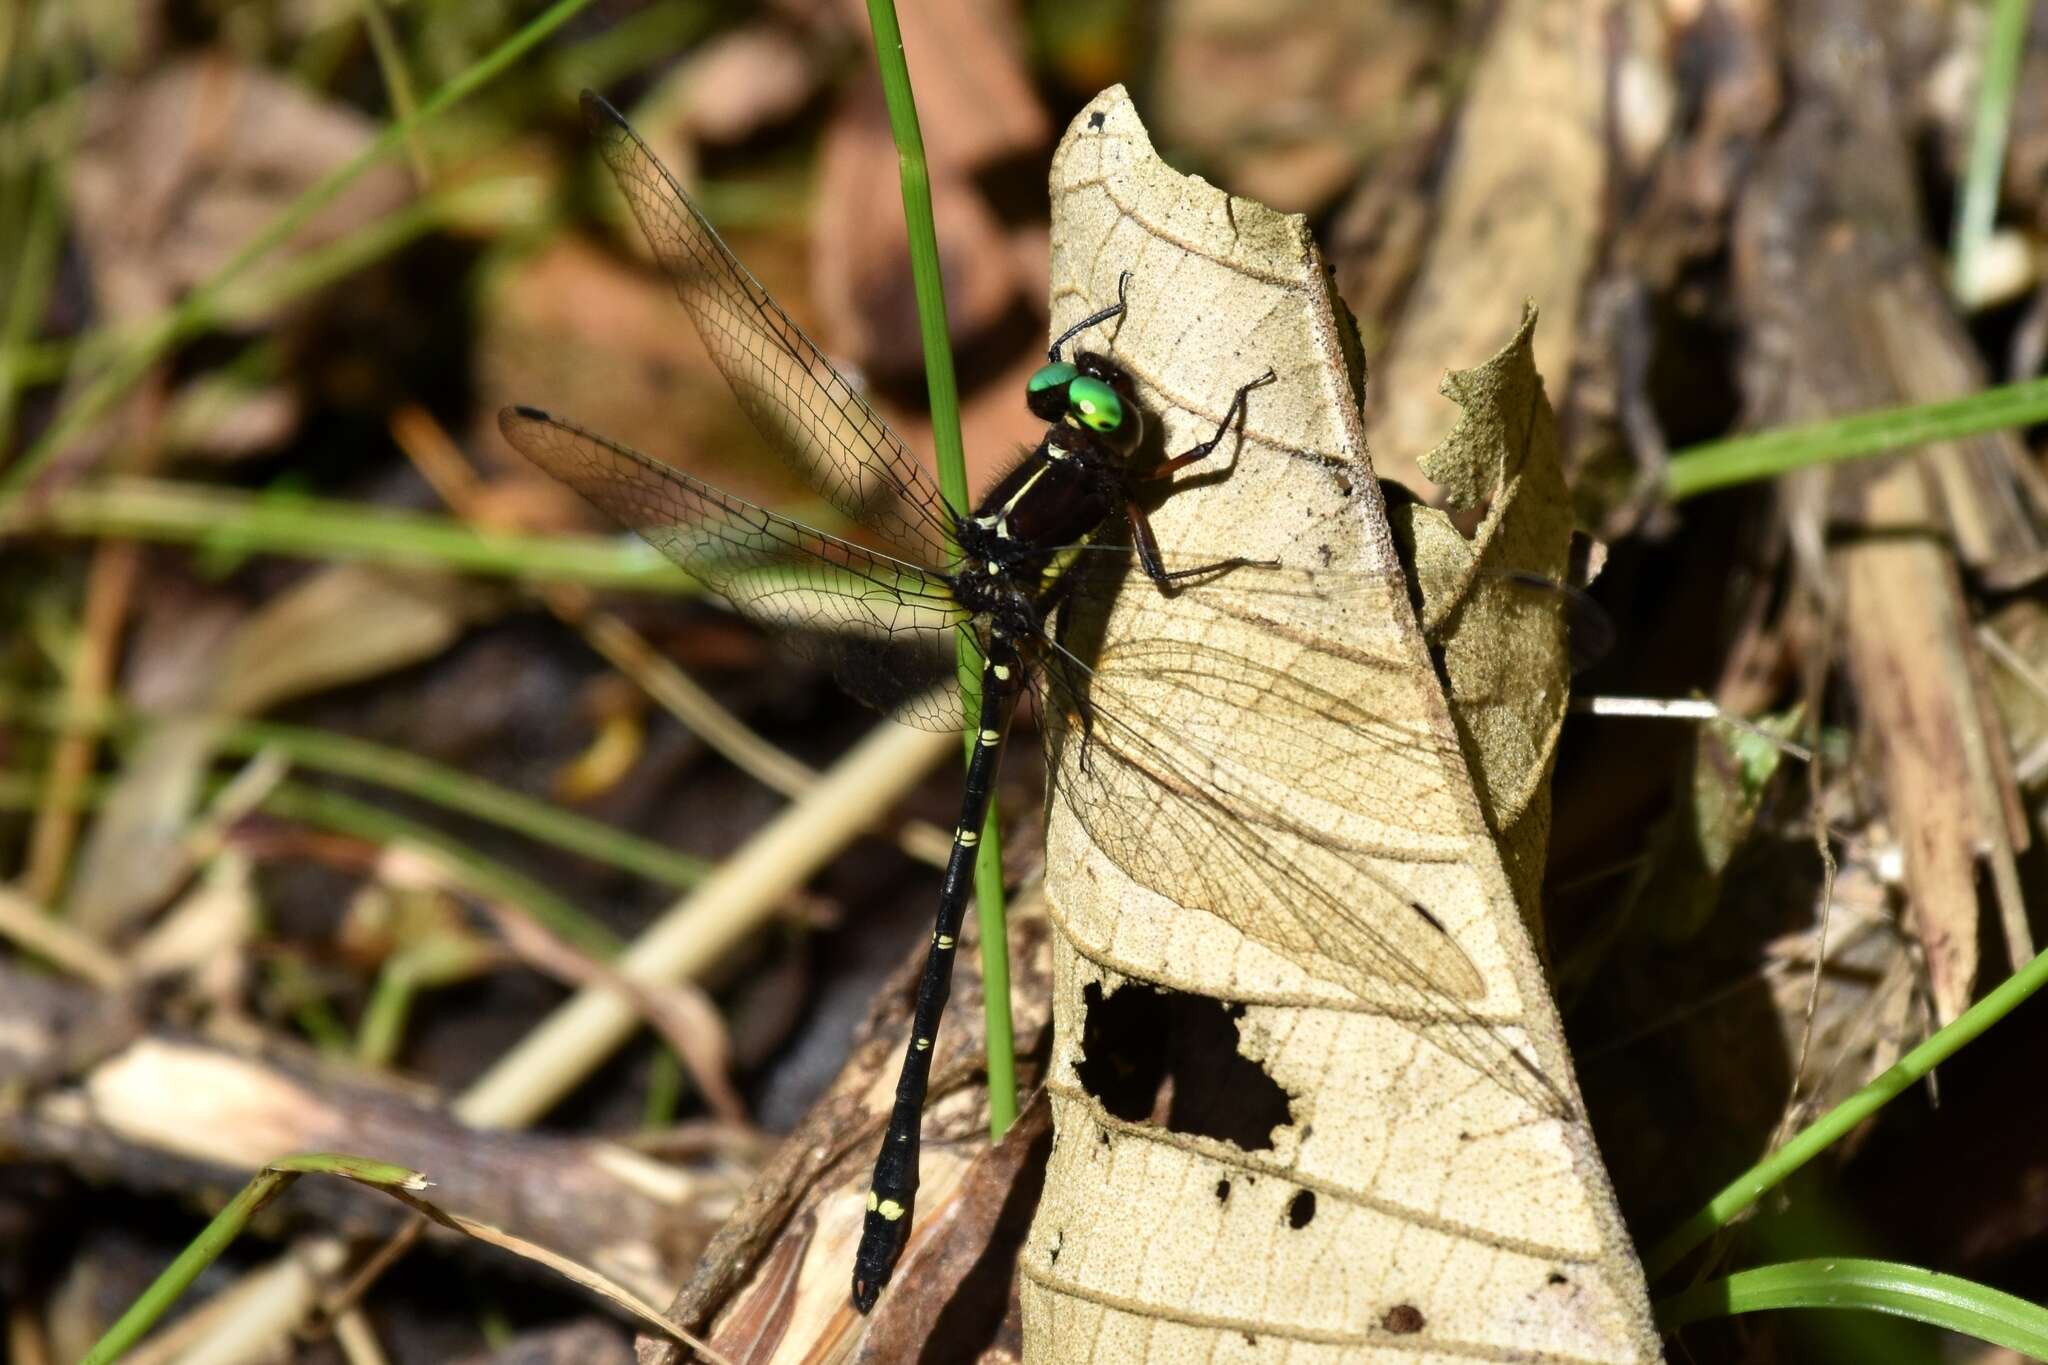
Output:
(1230, 415)
(1146, 543)
(892, 1198)
(1055, 609)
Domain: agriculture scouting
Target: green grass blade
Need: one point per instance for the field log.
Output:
(952, 462)
(1977, 205)
(227, 523)
(1945, 1301)
(347, 756)
(1768, 1174)
(1742, 459)
(35, 273)
(398, 82)
(203, 1250)
(406, 975)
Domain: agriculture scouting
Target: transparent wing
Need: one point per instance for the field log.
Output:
(803, 406)
(1155, 755)
(1103, 570)
(884, 626)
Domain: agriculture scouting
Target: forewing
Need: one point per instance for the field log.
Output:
(803, 406)
(885, 627)
(1254, 824)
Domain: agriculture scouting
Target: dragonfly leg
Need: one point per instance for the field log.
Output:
(1230, 416)
(1155, 568)
(1147, 544)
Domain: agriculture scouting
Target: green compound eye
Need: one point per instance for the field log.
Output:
(1052, 377)
(1094, 404)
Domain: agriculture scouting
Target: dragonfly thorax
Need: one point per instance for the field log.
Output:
(1021, 536)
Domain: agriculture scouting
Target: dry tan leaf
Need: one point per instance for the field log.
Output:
(1484, 603)
(208, 927)
(1288, 98)
(176, 172)
(775, 1276)
(961, 1264)
(340, 625)
(1394, 1159)
(572, 1270)
(226, 416)
(603, 340)
(1520, 214)
(740, 82)
(861, 258)
(975, 93)
(681, 1011)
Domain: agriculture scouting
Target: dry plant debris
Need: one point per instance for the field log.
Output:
(1731, 215)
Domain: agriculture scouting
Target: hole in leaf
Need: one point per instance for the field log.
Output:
(1170, 1059)
(1301, 1209)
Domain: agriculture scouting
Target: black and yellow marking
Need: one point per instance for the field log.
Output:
(893, 1194)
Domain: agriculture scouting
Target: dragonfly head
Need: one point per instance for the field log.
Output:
(1091, 394)
(1046, 392)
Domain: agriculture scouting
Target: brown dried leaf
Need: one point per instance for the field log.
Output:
(338, 626)
(1287, 100)
(979, 114)
(1519, 216)
(860, 252)
(974, 94)
(607, 343)
(571, 1270)
(1429, 1176)
(177, 172)
(743, 81)
(776, 1275)
(1501, 633)
(969, 1247)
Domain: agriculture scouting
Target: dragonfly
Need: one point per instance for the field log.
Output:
(1063, 529)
